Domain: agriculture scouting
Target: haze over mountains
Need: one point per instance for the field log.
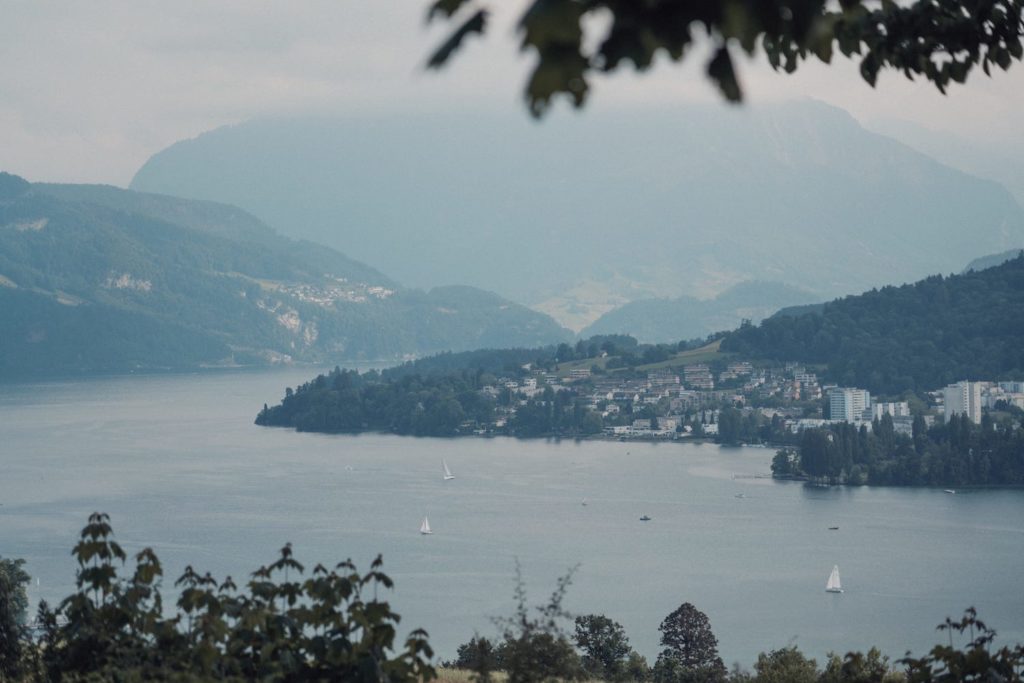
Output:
(578, 215)
(993, 260)
(94, 278)
(1002, 162)
(669, 320)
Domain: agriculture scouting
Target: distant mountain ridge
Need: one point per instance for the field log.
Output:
(993, 260)
(99, 279)
(222, 220)
(667, 320)
(1001, 161)
(582, 214)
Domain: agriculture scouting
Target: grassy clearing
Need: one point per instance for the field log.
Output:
(585, 364)
(704, 354)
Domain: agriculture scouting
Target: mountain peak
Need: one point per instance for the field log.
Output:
(577, 217)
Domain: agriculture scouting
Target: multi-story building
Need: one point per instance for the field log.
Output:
(848, 404)
(899, 409)
(662, 378)
(963, 398)
(698, 376)
(735, 370)
(805, 377)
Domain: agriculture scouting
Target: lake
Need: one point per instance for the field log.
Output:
(179, 465)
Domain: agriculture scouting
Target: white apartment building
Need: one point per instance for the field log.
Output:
(849, 405)
(898, 409)
(963, 398)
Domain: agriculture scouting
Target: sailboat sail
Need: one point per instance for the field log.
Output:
(425, 527)
(833, 585)
(447, 472)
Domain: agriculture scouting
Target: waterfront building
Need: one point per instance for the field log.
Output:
(848, 404)
(963, 398)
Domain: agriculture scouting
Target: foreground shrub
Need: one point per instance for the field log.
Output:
(277, 627)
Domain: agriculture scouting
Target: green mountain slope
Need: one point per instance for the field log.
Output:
(99, 279)
(918, 336)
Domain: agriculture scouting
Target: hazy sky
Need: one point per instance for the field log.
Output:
(89, 90)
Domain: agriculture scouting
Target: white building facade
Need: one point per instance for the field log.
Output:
(849, 405)
(963, 398)
(898, 409)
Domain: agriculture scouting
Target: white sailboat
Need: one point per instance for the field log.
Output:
(425, 527)
(833, 585)
(447, 472)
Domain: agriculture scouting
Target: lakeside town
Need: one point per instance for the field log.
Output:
(687, 402)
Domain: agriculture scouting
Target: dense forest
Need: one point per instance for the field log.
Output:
(445, 404)
(915, 337)
(957, 453)
(345, 401)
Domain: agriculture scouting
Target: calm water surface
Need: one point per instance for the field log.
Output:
(180, 467)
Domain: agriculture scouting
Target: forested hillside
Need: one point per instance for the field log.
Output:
(918, 336)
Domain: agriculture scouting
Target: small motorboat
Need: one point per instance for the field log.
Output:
(645, 518)
(833, 528)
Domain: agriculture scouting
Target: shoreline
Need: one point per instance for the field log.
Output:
(685, 440)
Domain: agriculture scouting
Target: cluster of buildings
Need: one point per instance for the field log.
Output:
(962, 398)
(682, 400)
(679, 399)
(339, 289)
(969, 398)
(852, 405)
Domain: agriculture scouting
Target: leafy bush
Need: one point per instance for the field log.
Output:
(278, 627)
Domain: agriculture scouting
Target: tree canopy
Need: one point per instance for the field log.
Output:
(604, 644)
(939, 40)
(275, 627)
(691, 648)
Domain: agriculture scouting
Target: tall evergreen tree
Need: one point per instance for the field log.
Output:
(691, 649)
